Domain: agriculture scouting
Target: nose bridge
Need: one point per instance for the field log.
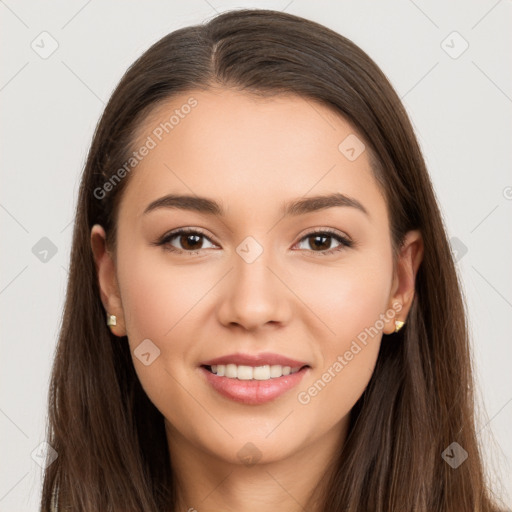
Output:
(254, 294)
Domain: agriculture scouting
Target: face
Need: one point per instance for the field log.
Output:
(313, 285)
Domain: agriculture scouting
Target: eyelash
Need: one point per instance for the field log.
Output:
(166, 239)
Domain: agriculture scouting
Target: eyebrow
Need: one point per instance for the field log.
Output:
(292, 208)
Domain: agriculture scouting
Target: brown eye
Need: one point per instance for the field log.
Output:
(322, 240)
(189, 240)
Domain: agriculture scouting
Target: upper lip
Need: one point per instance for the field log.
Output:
(261, 359)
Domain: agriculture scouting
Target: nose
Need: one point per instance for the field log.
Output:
(254, 294)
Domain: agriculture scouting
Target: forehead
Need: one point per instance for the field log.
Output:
(249, 151)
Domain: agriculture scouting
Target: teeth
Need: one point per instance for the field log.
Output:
(242, 372)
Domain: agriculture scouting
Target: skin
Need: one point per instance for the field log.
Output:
(252, 155)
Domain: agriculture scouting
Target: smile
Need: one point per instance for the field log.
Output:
(253, 385)
(244, 372)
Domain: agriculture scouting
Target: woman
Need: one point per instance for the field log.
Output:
(262, 309)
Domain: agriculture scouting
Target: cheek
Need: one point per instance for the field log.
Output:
(157, 295)
(333, 390)
(351, 301)
(158, 301)
(348, 358)
(347, 298)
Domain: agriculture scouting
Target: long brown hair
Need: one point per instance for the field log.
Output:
(110, 438)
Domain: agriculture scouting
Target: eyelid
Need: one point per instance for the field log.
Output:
(164, 240)
(345, 241)
(331, 231)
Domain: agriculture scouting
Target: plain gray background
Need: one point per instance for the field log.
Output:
(459, 100)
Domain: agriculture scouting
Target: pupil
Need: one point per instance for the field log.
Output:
(187, 237)
(324, 238)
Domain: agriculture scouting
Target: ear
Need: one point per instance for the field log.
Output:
(403, 287)
(107, 279)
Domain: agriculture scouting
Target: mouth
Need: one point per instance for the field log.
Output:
(245, 372)
(252, 385)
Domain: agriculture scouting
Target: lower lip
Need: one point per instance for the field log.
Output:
(254, 392)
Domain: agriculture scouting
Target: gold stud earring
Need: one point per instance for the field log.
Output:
(398, 325)
(111, 320)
